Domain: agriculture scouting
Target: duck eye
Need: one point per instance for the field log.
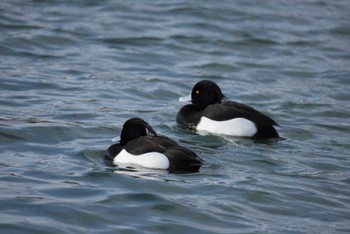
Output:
(197, 91)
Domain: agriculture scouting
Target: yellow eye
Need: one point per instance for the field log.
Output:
(197, 91)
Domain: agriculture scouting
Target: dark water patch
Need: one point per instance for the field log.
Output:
(132, 41)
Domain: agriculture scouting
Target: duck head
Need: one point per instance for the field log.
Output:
(134, 128)
(205, 93)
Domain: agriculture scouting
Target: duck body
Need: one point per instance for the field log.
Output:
(209, 114)
(153, 151)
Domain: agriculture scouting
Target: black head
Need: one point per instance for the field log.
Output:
(205, 93)
(134, 128)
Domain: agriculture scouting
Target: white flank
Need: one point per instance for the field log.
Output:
(233, 127)
(153, 160)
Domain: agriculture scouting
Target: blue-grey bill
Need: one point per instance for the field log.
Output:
(115, 139)
(185, 98)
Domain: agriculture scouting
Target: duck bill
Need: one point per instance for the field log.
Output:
(115, 139)
(185, 98)
(150, 130)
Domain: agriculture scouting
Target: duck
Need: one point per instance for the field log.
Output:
(140, 145)
(208, 113)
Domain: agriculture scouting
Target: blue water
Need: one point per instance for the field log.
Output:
(72, 72)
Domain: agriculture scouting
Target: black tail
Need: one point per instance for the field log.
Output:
(266, 132)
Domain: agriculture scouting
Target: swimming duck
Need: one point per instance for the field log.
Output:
(140, 145)
(208, 113)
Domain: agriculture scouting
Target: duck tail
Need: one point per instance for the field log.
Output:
(266, 132)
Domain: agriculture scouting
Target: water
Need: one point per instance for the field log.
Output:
(72, 72)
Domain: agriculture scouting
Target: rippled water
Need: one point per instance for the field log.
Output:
(71, 73)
